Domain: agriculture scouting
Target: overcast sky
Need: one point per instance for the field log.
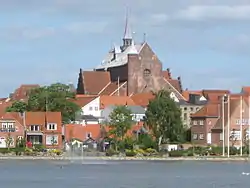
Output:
(207, 44)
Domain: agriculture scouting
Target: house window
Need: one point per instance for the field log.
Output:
(201, 136)
(4, 125)
(194, 122)
(235, 135)
(197, 108)
(201, 122)
(88, 135)
(96, 108)
(221, 136)
(185, 116)
(147, 73)
(185, 108)
(10, 126)
(34, 128)
(195, 136)
(51, 126)
(191, 109)
(90, 108)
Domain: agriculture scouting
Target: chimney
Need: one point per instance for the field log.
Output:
(169, 73)
(179, 79)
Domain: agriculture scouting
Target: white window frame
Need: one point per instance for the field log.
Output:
(96, 108)
(221, 136)
(52, 126)
(90, 108)
(10, 125)
(4, 125)
(195, 122)
(195, 136)
(236, 134)
(201, 122)
(201, 136)
(34, 128)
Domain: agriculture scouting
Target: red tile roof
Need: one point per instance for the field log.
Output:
(142, 99)
(82, 101)
(186, 94)
(209, 110)
(80, 132)
(115, 100)
(95, 81)
(22, 92)
(111, 87)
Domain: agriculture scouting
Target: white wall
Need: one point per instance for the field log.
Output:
(138, 117)
(92, 108)
(172, 96)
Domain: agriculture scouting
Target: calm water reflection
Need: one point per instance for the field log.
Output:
(23, 174)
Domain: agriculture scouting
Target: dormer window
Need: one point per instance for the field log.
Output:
(51, 126)
(146, 73)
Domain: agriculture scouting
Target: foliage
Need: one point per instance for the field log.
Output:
(146, 141)
(17, 106)
(233, 137)
(20, 142)
(130, 153)
(55, 98)
(163, 117)
(120, 122)
(111, 152)
(9, 141)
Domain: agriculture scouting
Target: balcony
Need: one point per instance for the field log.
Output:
(7, 130)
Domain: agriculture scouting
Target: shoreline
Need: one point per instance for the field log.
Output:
(105, 158)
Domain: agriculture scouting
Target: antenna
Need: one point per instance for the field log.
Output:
(144, 37)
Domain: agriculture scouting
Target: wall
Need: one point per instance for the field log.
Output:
(137, 82)
(95, 105)
(187, 111)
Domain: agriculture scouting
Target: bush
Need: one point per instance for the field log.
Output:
(177, 153)
(130, 153)
(39, 147)
(111, 152)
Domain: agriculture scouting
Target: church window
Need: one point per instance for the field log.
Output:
(147, 72)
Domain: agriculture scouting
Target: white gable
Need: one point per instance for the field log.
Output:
(92, 108)
(173, 96)
(203, 98)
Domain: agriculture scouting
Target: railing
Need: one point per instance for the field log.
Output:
(7, 130)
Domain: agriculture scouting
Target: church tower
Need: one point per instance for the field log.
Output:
(127, 37)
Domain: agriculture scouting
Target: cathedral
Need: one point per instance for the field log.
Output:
(128, 69)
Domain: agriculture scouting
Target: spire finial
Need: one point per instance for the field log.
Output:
(127, 31)
(144, 37)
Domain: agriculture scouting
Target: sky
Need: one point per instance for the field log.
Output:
(207, 43)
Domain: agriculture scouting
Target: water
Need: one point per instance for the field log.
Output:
(124, 174)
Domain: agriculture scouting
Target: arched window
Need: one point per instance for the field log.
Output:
(147, 73)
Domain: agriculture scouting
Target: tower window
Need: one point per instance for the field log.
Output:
(147, 73)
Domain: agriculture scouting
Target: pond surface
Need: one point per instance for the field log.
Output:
(124, 174)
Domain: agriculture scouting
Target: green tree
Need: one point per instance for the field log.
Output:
(163, 117)
(9, 141)
(17, 106)
(120, 122)
(55, 98)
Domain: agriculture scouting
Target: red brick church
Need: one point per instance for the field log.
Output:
(127, 70)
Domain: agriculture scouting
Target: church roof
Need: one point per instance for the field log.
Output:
(120, 58)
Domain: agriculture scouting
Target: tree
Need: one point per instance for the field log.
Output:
(120, 122)
(17, 106)
(9, 141)
(163, 117)
(55, 98)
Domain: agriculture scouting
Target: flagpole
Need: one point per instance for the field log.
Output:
(241, 106)
(223, 126)
(228, 126)
(249, 126)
